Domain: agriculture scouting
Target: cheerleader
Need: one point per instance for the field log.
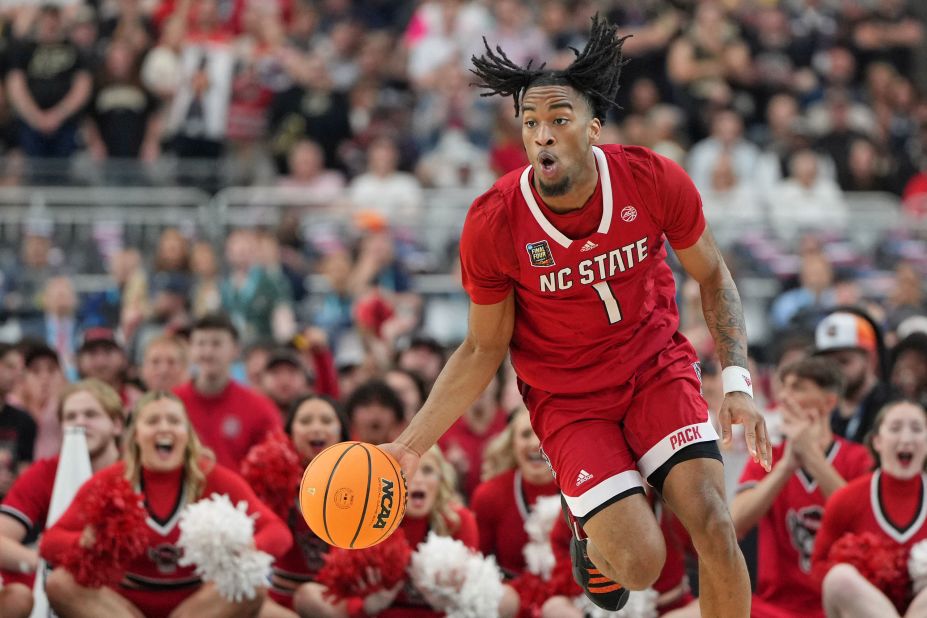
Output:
(890, 503)
(515, 476)
(432, 506)
(314, 423)
(165, 462)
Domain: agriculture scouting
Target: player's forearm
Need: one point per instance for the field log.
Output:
(724, 316)
(16, 557)
(750, 505)
(467, 373)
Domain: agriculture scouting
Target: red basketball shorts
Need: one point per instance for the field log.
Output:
(599, 445)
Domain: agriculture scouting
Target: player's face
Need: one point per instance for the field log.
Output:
(901, 441)
(163, 367)
(162, 435)
(527, 449)
(315, 428)
(423, 488)
(557, 130)
(81, 409)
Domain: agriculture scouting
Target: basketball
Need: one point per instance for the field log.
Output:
(352, 495)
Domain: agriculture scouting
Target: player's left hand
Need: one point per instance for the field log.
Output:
(739, 408)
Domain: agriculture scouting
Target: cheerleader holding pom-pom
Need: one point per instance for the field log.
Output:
(436, 568)
(154, 534)
(873, 537)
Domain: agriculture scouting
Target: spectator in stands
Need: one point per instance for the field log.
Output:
(123, 116)
(730, 202)
(515, 475)
(204, 267)
(382, 188)
(726, 137)
(887, 503)
(161, 70)
(284, 275)
(129, 23)
(423, 355)
(17, 429)
(102, 357)
(806, 199)
(374, 412)
(169, 312)
(254, 358)
(867, 168)
(165, 363)
(49, 84)
(184, 474)
(788, 502)
(314, 423)
(814, 292)
(258, 303)
(909, 367)
(42, 385)
(229, 417)
(409, 387)
(850, 341)
(466, 440)
(173, 252)
(317, 186)
(96, 408)
(312, 346)
(285, 379)
(906, 297)
(890, 32)
(25, 278)
(58, 326)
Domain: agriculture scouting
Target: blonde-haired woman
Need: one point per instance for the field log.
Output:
(432, 506)
(165, 462)
(515, 475)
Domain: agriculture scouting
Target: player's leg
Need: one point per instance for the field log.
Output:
(694, 491)
(15, 601)
(208, 603)
(71, 600)
(847, 594)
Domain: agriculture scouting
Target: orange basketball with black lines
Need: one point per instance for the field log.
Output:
(353, 495)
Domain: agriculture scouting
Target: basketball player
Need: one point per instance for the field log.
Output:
(564, 263)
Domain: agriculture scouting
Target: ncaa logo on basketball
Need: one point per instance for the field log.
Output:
(539, 253)
(628, 213)
(386, 504)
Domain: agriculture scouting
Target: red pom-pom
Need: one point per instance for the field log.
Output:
(881, 561)
(533, 590)
(115, 513)
(273, 470)
(344, 568)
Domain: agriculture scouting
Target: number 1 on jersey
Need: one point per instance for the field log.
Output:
(608, 299)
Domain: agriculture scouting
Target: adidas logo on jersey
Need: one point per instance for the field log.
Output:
(589, 246)
(582, 478)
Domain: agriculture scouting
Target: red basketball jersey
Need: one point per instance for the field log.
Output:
(594, 295)
(787, 532)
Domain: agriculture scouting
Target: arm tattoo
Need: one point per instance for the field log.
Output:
(724, 316)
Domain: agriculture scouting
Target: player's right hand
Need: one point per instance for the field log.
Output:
(408, 459)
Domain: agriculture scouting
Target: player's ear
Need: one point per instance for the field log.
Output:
(595, 129)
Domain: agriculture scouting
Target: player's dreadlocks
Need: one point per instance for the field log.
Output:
(594, 72)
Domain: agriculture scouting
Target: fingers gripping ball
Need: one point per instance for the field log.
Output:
(353, 495)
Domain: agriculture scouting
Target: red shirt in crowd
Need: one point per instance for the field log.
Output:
(501, 506)
(590, 285)
(787, 533)
(231, 422)
(464, 448)
(27, 502)
(891, 508)
(158, 583)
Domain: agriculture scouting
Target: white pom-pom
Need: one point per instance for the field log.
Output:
(456, 580)
(218, 538)
(641, 604)
(917, 566)
(539, 556)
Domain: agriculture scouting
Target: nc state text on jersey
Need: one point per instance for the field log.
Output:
(597, 268)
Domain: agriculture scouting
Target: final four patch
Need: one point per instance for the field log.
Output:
(539, 253)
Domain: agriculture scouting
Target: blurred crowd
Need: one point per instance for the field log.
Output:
(778, 110)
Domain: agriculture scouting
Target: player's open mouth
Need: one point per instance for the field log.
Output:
(547, 162)
(905, 458)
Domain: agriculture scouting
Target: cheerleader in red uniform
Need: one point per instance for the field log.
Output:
(314, 424)
(517, 476)
(890, 503)
(165, 462)
(432, 506)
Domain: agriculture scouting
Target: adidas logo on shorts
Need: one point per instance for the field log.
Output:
(582, 478)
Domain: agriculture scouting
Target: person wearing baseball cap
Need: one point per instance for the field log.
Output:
(852, 342)
(102, 357)
(285, 379)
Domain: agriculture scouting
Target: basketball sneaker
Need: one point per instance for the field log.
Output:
(604, 592)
